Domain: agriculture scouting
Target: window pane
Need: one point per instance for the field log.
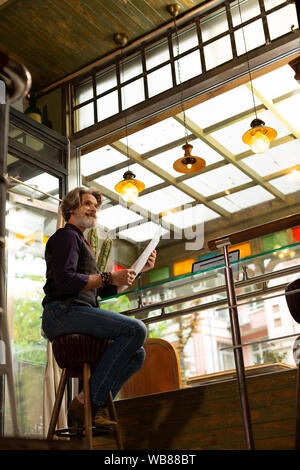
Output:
(191, 216)
(249, 9)
(221, 107)
(218, 52)
(272, 3)
(214, 24)
(163, 200)
(133, 93)
(214, 181)
(160, 80)
(84, 117)
(186, 39)
(108, 105)
(164, 132)
(141, 232)
(33, 143)
(157, 54)
(246, 198)
(254, 37)
(189, 66)
(130, 68)
(274, 161)
(287, 184)
(100, 159)
(83, 92)
(280, 21)
(116, 216)
(33, 177)
(106, 80)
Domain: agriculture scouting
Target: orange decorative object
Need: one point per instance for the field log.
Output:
(183, 267)
(245, 249)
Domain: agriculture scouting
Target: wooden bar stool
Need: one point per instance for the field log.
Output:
(78, 355)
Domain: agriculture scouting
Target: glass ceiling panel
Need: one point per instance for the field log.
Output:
(242, 199)
(116, 216)
(155, 136)
(166, 159)
(142, 232)
(289, 109)
(163, 200)
(221, 179)
(100, 159)
(276, 159)
(192, 216)
(276, 83)
(142, 174)
(287, 184)
(231, 136)
(221, 107)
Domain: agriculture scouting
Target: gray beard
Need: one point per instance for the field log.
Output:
(86, 222)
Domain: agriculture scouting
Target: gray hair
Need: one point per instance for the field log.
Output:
(73, 200)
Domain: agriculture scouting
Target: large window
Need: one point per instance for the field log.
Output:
(212, 39)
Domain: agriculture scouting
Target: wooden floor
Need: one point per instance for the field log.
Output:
(208, 417)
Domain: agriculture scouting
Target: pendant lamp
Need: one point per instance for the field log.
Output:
(258, 137)
(187, 163)
(129, 187)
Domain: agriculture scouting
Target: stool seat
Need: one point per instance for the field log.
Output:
(73, 350)
(78, 355)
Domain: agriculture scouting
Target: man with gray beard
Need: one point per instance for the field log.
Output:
(73, 285)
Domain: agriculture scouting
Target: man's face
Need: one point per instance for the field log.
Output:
(85, 216)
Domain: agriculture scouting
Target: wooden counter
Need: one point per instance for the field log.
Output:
(208, 416)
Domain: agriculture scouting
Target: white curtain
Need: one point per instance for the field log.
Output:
(52, 377)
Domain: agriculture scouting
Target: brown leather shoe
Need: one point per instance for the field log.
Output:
(99, 420)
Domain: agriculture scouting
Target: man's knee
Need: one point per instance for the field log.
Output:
(140, 330)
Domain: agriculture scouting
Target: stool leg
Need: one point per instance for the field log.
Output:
(57, 404)
(87, 405)
(113, 417)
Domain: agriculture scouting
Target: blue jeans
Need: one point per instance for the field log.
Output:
(122, 358)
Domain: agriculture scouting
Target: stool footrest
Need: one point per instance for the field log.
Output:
(80, 431)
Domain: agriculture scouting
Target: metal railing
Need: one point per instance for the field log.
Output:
(223, 243)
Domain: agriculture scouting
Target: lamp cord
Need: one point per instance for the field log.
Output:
(179, 77)
(123, 103)
(248, 63)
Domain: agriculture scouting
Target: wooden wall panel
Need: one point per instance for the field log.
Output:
(208, 417)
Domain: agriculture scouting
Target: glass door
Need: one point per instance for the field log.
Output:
(31, 215)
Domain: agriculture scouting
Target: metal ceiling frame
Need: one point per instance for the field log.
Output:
(181, 182)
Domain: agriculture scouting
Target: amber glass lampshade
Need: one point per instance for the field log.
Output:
(129, 188)
(259, 136)
(189, 163)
